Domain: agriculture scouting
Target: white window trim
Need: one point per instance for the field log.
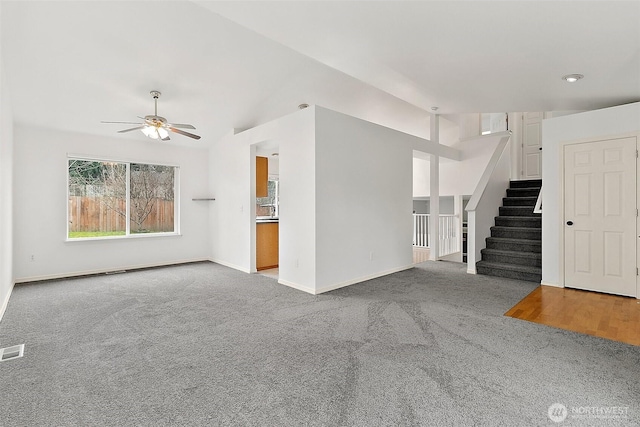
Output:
(176, 200)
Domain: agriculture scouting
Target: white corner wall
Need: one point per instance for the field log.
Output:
(608, 122)
(6, 190)
(232, 163)
(363, 200)
(345, 199)
(230, 214)
(40, 206)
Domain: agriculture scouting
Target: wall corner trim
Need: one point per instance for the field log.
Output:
(4, 304)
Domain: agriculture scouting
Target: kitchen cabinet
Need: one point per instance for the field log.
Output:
(262, 176)
(266, 245)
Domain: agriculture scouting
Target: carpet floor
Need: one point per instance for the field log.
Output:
(202, 344)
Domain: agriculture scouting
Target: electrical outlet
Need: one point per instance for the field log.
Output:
(32, 258)
(371, 256)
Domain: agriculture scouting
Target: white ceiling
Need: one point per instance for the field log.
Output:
(225, 65)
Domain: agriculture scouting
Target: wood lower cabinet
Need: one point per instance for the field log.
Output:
(266, 245)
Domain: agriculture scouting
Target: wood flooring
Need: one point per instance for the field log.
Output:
(602, 315)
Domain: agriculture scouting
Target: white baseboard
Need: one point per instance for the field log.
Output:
(104, 270)
(297, 286)
(341, 284)
(360, 279)
(5, 303)
(555, 285)
(230, 265)
(471, 269)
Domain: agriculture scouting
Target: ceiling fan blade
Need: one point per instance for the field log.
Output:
(181, 132)
(181, 125)
(129, 130)
(124, 123)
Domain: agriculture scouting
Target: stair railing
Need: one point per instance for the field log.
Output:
(538, 207)
(486, 199)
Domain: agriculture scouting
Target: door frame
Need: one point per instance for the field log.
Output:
(560, 201)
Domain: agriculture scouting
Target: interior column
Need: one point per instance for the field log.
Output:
(434, 192)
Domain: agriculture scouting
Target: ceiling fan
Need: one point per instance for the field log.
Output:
(156, 127)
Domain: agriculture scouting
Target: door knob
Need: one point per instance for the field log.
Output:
(569, 222)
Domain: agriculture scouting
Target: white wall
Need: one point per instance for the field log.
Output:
(469, 125)
(345, 191)
(6, 193)
(232, 163)
(363, 200)
(456, 178)
(40, 206)
(555, 131)
(230, 214)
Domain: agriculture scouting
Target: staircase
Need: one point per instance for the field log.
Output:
(514, 249)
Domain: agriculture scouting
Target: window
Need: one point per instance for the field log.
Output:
(269, 206)
(120, 199)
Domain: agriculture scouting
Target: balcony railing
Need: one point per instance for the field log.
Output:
(449, 232)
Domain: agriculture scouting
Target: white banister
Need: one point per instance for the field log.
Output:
(538, 207)
(421, 230)
(449, 242)
(486, 199)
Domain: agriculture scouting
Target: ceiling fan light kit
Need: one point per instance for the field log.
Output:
(156, 127)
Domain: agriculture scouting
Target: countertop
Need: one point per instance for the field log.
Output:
(266, 220)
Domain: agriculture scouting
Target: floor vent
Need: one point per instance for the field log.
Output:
(10, 353)
(116, 272)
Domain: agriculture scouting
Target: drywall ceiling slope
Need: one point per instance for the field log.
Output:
(463, 56)
(71, 64)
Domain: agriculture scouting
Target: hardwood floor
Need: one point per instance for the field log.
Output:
(602, 315)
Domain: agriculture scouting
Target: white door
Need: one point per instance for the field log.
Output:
(532, 145)
(600, 216)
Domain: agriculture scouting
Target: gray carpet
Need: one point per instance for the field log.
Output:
(201, 344)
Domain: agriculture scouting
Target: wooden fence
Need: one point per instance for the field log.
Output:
(94, 214)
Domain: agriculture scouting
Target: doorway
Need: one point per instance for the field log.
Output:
(600, 214)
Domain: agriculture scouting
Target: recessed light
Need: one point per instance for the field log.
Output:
(572, 78)
(303, 106)
(275, 154)
(434, 108)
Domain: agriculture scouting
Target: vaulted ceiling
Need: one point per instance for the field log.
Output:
(225, 65)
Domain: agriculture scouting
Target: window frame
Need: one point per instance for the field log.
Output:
(128, 234)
